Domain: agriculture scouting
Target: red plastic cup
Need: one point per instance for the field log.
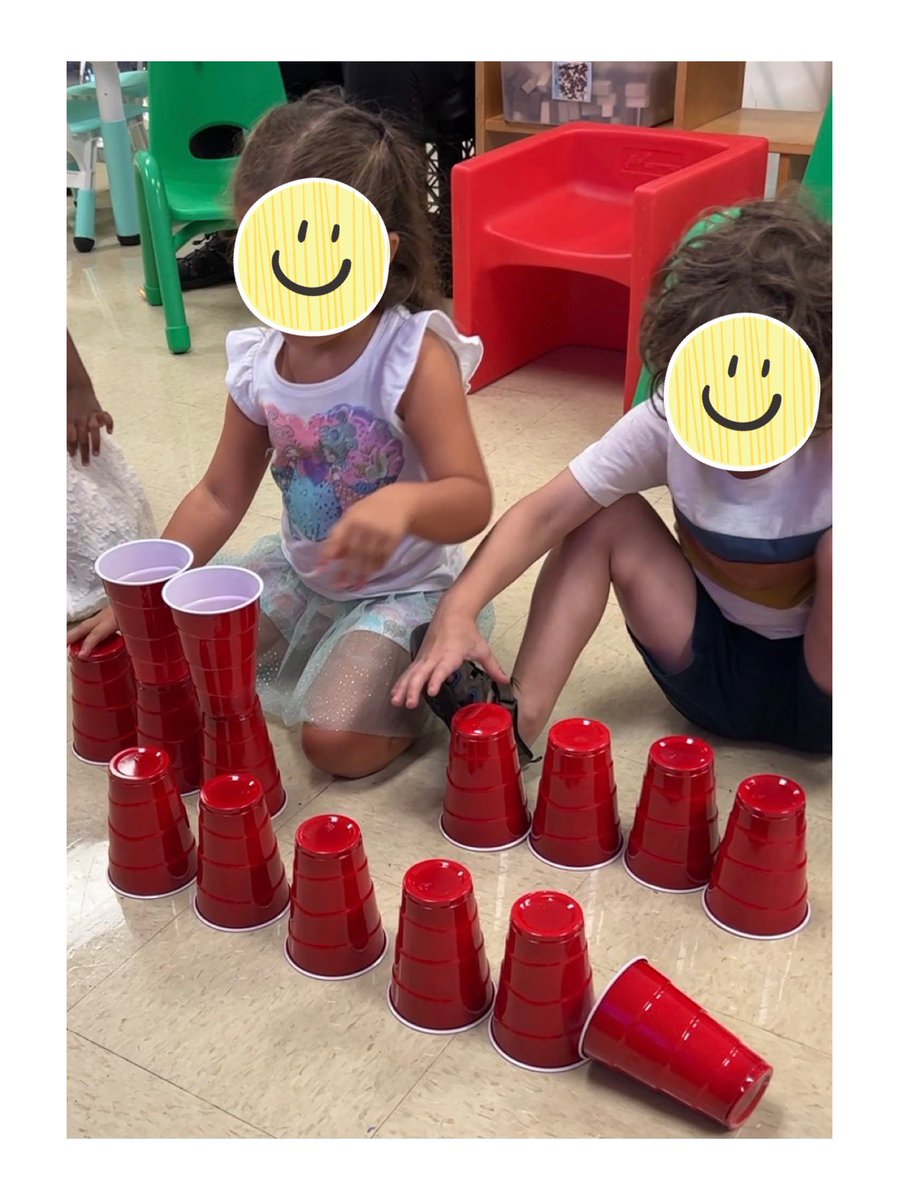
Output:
(335, 929)
(441, 978)
(216, 610)
(169, 716)
(645, 1027)
(152, 852)
(576, 824)
(241, 882)
(243, 744)
(103, 713)
(673, 841)
(134, 575)
(759, 885)
(545, 991)
(484, 805)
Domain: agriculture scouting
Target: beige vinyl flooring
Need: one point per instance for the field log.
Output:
(178, 1031)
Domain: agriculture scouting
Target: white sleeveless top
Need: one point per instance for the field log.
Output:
(337, 441)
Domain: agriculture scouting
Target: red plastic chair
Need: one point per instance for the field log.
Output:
(557, 238)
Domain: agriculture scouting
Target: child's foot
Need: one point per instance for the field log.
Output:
(209, 265)
(471, 685)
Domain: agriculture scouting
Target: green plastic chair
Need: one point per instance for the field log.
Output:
(179, 195)
(817, 182)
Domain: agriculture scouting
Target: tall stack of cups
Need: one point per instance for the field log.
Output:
(216, 612)
(167, 714)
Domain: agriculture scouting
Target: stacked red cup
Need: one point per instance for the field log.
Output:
(645, 1027)
(576, 824)
(673, 841)
(545, 990)
(484, 806)
(167, 714)
(103, 716)
(216, 611)
(241, 882)
(335, 930)
(759, 885)
(441, 978)
(152, 852)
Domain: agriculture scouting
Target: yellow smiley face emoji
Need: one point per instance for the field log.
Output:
(742, 392)
(312, 257)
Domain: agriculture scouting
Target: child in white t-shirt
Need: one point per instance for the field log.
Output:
(732, 616)
(367, 435)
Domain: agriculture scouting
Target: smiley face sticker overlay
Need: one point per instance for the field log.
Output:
(312, 257)
(742, 392)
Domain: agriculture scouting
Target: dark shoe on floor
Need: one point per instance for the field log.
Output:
(470, 685)
(209, 265)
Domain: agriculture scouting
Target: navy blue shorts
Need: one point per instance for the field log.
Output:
(745, 686)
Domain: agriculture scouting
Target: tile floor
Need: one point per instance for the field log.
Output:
(178, 1031)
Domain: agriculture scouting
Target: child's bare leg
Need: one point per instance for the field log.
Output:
(350, 755)
(818, 642)
(627, 546)
(352, 693)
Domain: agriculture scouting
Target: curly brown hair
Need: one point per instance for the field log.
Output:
(323, 136)
(773, 257)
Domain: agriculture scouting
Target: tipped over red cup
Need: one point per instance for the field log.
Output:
(133, 575)
(484, 805)
(545, 990)
(576, 824)
(152, 852)
(104, 720)
(242, 744)
(216, 611)
(241, 882)
(440, 981)
(645, 1027)
(759, 885)
(674, 838)
(335, 930)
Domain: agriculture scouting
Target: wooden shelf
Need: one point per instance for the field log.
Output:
(787, 132)
(524, 128)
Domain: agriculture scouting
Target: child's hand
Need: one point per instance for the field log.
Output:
(84, 422)
(94, 630)
(452, 638)
(366, 536)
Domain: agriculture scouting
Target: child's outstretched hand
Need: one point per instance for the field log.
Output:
(94, 630)
(452, 638)
(366, 536)
(83, 427)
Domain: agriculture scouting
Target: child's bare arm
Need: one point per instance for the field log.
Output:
(525, 533)
(84, 416)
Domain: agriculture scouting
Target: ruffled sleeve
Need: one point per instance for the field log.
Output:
(242, 347)
(405, 348)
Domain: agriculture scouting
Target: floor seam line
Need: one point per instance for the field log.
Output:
(414, 1085)
(170, 1082)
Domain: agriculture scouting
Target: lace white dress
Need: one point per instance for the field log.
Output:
(106, 505)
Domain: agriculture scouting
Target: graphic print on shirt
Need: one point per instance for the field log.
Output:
(325, 465)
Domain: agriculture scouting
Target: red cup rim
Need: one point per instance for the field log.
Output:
(682, 754)
(746, 1104)
(139, 764)
(102, 565)
(771, 796)
(232, 792)
(186, 580)
(561, 915)
(580, 736)
(328, 835)
(438, 882)
(602, 995)
(110, 647)
(482, 721)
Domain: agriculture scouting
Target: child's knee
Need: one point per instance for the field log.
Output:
(617, 522)
(346, 754)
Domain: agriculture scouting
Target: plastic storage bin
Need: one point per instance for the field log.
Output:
(616, 93)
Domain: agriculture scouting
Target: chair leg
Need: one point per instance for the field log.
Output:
(152, 294)
(177, 333)
(85, 212)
